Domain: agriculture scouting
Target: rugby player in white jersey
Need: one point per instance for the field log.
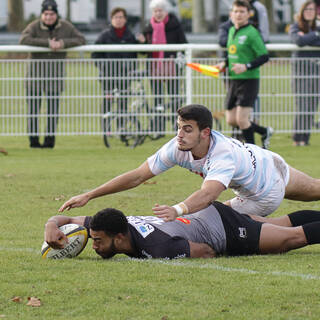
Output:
(259, 178)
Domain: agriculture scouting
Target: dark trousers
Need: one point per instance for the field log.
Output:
(306, 85)
(35, 90)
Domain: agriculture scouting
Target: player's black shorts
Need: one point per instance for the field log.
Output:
(242, 232)
(242, 92)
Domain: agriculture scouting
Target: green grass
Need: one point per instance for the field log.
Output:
(33, 185)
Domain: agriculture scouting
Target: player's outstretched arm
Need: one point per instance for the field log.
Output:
(210, 191)
(123, 182)
(55, 237)
(201, 250)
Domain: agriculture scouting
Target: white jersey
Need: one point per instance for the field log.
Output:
(246, 168)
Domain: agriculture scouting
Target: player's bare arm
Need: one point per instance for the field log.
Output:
(201, 250)
(123, 182)
(210, 191)
(53, 236)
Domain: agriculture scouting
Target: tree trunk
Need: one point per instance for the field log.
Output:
(269, 5)
(142, 14)
(68, 16)
(198, 14)
(216, 14)
(15, 15)
(292, 10)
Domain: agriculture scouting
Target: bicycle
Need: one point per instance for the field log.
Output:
(130, 125)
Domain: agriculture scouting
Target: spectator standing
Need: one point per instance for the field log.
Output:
(115, 67)
(47, 76)
(164, 27)
(246, 53)
(306, 83)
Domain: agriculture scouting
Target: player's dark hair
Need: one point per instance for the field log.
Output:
(118, 9)
(198, 113)
(242, 3)
(111, 221)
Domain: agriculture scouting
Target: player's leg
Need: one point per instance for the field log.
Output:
(278, 239)
(283, 221)
(294, 219)
(231, 117)
(302, 187)
(230, 104)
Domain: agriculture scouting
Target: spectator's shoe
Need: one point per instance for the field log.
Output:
(34, 142)
(265, 139)
(48, 142)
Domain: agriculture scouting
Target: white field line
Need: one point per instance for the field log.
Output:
(20, 250)
(213, 266)
(190, 264)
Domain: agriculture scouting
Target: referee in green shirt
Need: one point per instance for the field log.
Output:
(246, 53)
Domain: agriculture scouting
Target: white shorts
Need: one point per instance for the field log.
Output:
(271, 202)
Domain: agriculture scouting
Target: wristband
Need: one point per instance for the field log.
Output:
(181, 208)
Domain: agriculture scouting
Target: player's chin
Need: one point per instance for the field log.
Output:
(182, 147)
(105, 255)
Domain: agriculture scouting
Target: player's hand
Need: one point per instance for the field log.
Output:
(238, 68)
(164, 212)
(55, 238)
(75, 202)
(221, 66)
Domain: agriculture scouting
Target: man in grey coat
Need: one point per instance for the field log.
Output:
(46, 70)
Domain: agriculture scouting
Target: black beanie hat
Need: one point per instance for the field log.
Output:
(49, 5)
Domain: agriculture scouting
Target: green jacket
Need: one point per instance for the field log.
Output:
(244, 46)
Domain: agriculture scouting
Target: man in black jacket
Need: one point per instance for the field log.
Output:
(114, 67)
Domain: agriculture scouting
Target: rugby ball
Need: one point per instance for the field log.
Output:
(78, 238)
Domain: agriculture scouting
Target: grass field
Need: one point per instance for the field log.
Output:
(33, 185)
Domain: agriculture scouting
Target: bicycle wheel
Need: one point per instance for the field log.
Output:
(130, 132)
(106, 129)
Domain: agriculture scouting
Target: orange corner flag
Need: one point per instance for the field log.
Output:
(205, 69)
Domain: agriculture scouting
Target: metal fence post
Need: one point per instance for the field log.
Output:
(188, 54)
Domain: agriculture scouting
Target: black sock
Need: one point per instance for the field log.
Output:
(259, 129)
(312, 232)
(302, 217)
(248, 135)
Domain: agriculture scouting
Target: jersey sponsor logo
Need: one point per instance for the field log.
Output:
(143, 228)
(150, 219)
(242, 39)
(242, 232)
(253, 157)
(183, 220)
(232, 49)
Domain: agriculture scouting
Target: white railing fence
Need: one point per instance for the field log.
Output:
(91, 97)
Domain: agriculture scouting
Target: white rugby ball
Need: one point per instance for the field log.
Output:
(78, 238)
